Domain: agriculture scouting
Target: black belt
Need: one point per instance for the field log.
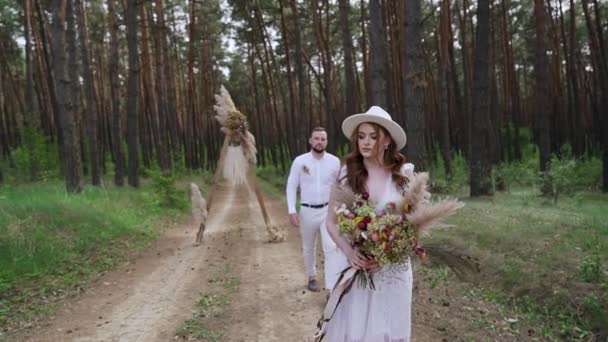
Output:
(314, 206)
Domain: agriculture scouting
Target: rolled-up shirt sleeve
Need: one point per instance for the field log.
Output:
(292, 186)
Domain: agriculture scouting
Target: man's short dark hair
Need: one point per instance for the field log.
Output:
(318, 129)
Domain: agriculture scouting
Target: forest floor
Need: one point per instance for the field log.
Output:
(237, 286)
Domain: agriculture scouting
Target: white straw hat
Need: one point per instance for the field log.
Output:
(379, 116)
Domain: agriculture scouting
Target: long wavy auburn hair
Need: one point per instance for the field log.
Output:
(392, 160)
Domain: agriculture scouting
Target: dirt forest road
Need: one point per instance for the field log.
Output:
(150, 297)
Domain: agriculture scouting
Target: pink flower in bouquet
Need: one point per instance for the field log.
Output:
(365, 196)
(391, 205)
(380, 212)
(350, 215)
(374, 237)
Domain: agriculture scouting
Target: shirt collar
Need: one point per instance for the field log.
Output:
(312, 155)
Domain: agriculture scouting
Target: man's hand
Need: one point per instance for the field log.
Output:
(294, 219)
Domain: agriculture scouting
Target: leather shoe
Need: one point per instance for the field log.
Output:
(313, 285)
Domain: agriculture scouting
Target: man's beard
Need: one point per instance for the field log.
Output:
(318, 150)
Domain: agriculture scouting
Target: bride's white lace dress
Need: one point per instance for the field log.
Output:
(380, 315)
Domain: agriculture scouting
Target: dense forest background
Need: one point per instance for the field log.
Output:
(94, 88)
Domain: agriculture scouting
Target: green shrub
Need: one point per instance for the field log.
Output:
(36, 159)
(567, 174)
(440, 182)
(522, 172)
(166, 193)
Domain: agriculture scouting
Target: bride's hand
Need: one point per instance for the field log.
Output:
(372, 266)
(356, 259)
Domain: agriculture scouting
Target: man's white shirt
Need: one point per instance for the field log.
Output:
(315, 178)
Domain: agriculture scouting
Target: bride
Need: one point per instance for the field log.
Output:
(374, 166)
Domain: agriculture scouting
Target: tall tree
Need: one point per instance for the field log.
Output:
(169, 82)
(541, 93)
(292, 140)
(132, 90)
(349, 72)
(302, 114)
(119, 160)
(30, 117)
(444, 63)
(413, 83)
(481, 168)
(71, 150)
(600, 66)
(161, 83)
(377, 55)
(91, 113)
(29, 74)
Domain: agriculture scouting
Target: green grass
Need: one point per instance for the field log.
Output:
(272, 180)
(547, 260)
(212, 306)
(52, 243)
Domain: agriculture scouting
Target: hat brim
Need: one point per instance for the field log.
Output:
(397, 133)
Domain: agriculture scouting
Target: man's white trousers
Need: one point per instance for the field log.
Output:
(312, 222)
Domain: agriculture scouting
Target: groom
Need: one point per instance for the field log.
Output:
(314, 173)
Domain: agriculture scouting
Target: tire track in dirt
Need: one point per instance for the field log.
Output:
(272, 303)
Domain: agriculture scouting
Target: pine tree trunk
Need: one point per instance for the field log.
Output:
(599, 54)
(459, 126)
(117, 134)
(466, 69)
(414, 80)
(169, 79)
(29, 115)
(163, 148)
(481, 169)
(365, 102)
(302, 113)
(29, 74)
(444, 114)
(132, 93)
(541, 102)
(349, 71)
(293, 139)
(377, 55)
(91, 115)
(71, 151)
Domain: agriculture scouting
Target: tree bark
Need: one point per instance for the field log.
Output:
(89, 94)
(117, 134)
(302, 115)
(132, 93)
(377, 55)
(71, 150)
(413, 83)
(349, 70)
(169, 79)
(481, 169)
(541, 102)
(444, 112)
